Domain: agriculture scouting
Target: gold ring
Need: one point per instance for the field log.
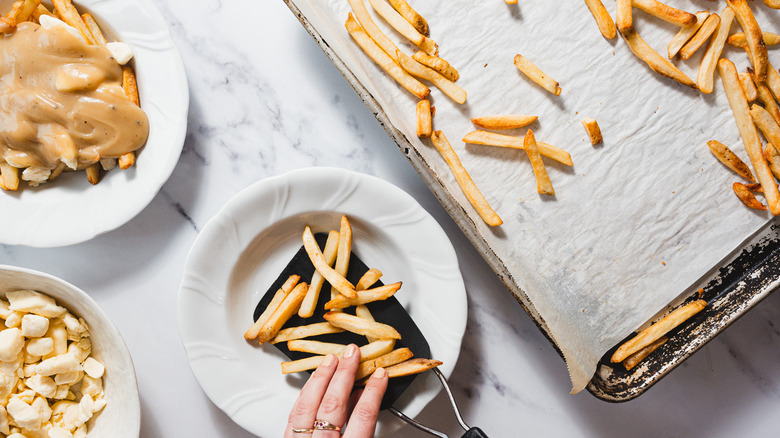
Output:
(302, 430)
(324, 425)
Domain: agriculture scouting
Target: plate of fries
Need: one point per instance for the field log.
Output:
(241, 253)
(75, 207)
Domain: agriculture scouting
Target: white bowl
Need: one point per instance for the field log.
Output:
(121, 418)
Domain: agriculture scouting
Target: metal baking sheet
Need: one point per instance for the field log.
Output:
(609, 383)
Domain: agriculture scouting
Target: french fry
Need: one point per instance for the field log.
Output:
(658, 329)
(384, 60)
(130, 85)
(499, 140)
(774, 4)
(753, 35)
(730, 159)
(593, 130)
(470, 190)
(766, 123)
(411, 366)
(367, 352)
(773, 159)
(364, 297)
(23, 10)
(653, 59)
(316, 347)
(449, 88)
(773, 81)
(739, 39)
(363, 312)
(602, 17)
(94, 29)
(503, 121)
(543, 184)
(57, 171)
(424, 119)
(438, 64)
(685, 34)
(305, 331)
(93, 173)
(764, 95)
(320, 264)
(368, 367)
(68, 13)
(411, 16)
(361, 326)
(296, 366)
(665, 12)
(127, 160)
(10, 176)
(376, 349)
(706, 77)
(344, 253)
(312, 295)
(748, 87)
(399, 23)
(747, 130)
(747, 197)
(624, 15)
(41, 10)
(282, 314)
(704, 33)
(368, 279)
(537, 75)
(289, 284)
(632, 361)
(7, 25)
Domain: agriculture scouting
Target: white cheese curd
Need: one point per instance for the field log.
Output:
(34, 326)
(11, 344)
(120, 51)
(34, 302)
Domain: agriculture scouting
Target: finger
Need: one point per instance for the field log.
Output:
(362, 421)
(305, 408)
(333, 408)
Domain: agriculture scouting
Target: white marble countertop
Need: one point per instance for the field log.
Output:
(265, 100)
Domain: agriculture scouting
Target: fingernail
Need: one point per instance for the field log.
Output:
(380, 373)
(350, 351)
(329, 360)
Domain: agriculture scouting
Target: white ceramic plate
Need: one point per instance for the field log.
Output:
(121, 418)
(242, 250)
(70, 210)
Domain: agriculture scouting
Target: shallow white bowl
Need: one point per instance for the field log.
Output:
(121, 418)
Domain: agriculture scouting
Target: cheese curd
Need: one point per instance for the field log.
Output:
(50, 385)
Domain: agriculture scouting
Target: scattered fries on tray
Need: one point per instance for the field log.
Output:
(293, 295)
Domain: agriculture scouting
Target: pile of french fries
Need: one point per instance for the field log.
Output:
(752, 95)
(331, 265)
(31, 10)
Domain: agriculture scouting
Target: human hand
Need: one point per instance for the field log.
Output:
(325, 398)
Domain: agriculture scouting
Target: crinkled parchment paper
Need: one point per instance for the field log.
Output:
(637, 220)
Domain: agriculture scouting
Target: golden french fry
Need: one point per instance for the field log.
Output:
(658, 329)
(93, 173)
(364, 297)
(305, 331)
(665, 12)
(344, 253)
(399, 23)
(603, 19)
(288, 285)
(503, 121)
(320, 264)
(543, 184)
(437, 64)
(316, 347)
(470, 190)
(41, 10)
(94, 29)
(10, 176)
(384, 60)
(313, 294)
(296, 366)
(283, 313)
(368, 367)
(361, 326)
(748, 87)
(632, 361)
(7, 25)
(57, 171)
(127, 160)
(70, 15)
(449, 88)
(367, 352)
(764, 95)
(593, 130)
(747, 197)
(747, 130)
(499, 140)
(623, 15)
(773, 159)
(773, 82)
(739, 39)
(424, 119)
(653, 59)
(368, 279)
(685, 34)
(363, 312)
(411, 366)
(730, 159)
(129, 85)
(774, 4)
(706, 77)
(537, 75)
(23, 10)
(411, 16)
(704, 33)
(753, 35)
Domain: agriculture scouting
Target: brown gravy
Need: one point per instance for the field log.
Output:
(61, 100)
